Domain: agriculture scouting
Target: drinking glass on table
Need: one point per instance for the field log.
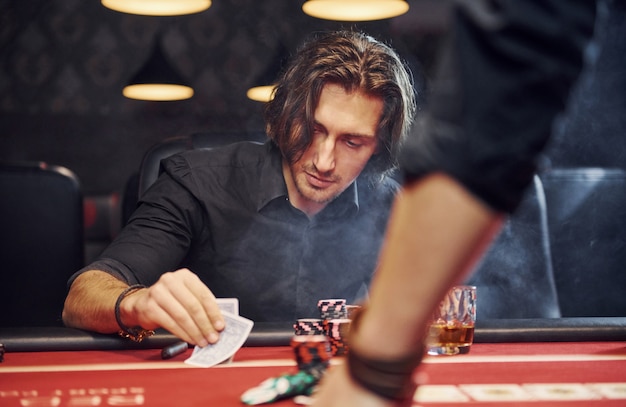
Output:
(451, 330)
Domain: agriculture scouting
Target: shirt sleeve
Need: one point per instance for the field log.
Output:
(159, 233)
(505, 73)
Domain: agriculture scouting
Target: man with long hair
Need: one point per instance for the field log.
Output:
(278, 225)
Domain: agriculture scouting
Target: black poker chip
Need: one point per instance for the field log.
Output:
(332, 308)
(309, 326)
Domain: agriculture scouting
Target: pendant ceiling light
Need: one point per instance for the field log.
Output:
(158, 7)
(355, 10)
(265, 83)
(262, 93)
(157, 80)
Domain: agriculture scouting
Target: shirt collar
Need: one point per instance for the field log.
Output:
(271, 180)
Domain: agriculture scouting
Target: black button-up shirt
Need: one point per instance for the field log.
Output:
(224, 213)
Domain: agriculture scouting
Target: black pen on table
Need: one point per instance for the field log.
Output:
(174, 349)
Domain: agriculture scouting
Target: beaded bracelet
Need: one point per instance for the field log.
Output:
(136, 333)
(389, 379)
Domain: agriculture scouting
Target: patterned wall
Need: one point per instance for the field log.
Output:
(63, 64)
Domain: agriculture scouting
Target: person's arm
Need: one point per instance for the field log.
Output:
(504, 81)
(415, 271)
(155, 241)
(90, 302)
(178, 302)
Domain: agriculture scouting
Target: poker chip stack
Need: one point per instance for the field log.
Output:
(334, 313)
(312, 353)
(332, 309)
(337, 333)
(313, 348)
(309, 326)
(281, 387)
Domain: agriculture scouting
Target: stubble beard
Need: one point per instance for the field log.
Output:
(310, 192)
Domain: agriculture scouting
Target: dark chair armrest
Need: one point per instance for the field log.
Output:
(585, 329)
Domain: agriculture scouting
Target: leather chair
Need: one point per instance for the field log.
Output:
(587, 218)
(515, 278)
(150, 164)
(41, 218)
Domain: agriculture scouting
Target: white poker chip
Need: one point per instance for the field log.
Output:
(259, 395)
(281, 385)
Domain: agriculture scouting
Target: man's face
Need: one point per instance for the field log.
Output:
(344, 138)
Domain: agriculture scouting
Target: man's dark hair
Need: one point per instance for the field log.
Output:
(354, 61)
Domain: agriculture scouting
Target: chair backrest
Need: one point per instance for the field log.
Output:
(41, 220)
(587, 217)
(150, 164)
(515, 278)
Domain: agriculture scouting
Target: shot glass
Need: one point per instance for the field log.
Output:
(451, 330)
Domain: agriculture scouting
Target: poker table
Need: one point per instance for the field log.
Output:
(557, 362)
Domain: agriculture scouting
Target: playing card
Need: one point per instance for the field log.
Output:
(229, 305)
(495, 392)
(612, 391)
(437, 393)
(561, 391)
(226, 305)
(231, 339)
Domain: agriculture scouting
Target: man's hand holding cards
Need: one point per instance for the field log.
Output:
(231, 339)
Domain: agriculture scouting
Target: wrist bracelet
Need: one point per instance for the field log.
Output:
(136, 333)
(389, 379)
